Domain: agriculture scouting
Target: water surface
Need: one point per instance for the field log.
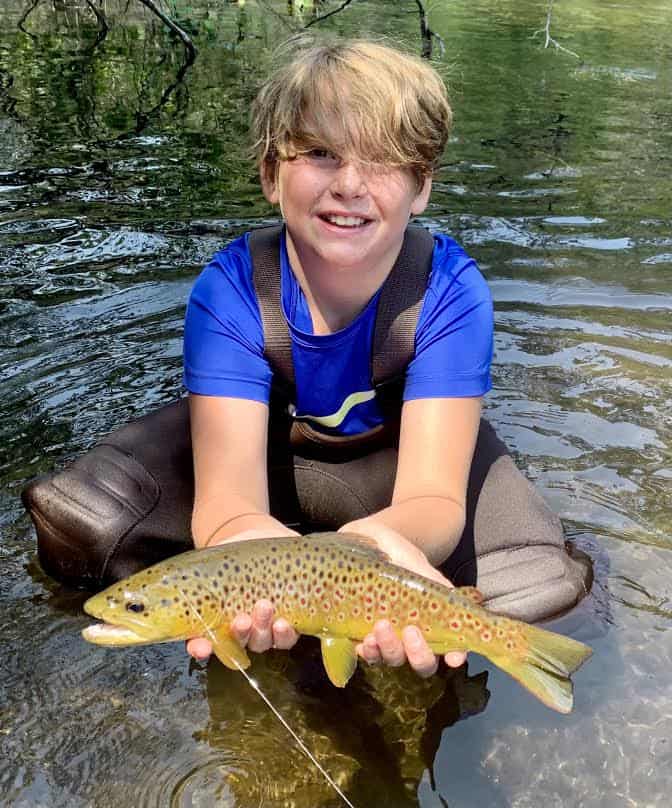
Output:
(122, 169)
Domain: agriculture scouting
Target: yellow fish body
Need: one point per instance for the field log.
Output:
(332, 586)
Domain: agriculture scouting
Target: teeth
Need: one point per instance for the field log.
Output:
(345, 221)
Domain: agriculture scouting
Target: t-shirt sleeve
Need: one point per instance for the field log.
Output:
(454, 336)
(223, 335)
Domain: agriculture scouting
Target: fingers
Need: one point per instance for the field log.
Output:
(384, 645)
(259, 632)
(390, 645)
(256, 631)
(199, 648)
(420, 656)
(284, 636)
(455, 658)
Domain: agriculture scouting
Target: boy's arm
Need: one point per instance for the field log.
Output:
(229, 437)
(425, 520)
(436, 447)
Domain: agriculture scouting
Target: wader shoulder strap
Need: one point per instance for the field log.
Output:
(398, 308)
(264, 247)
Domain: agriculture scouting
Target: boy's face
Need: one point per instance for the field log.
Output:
(341, 214)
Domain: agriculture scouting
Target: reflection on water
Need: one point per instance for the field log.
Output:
(122, 169)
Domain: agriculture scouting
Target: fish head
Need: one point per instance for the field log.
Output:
(149, 606)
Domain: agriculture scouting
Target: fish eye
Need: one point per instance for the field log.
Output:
(134, 606)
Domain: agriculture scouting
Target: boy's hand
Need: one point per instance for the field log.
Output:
(256, 631)
(384, 644)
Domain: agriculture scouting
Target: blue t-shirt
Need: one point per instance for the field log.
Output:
(224, 341)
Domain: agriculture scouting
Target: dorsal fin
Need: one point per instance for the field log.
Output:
(471, 593)
(361, 544)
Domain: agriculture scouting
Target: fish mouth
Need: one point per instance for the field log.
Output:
(109, 634)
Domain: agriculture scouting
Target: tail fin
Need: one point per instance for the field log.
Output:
(546, 666)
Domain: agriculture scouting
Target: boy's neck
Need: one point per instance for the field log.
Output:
(335, 296)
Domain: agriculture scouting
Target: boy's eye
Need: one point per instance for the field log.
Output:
(322, 155)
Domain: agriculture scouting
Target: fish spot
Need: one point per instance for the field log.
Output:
(486, 635)
(455, 625)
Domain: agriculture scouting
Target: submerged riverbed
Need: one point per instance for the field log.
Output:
(122, 169)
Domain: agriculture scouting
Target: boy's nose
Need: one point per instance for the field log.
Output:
(349, 180)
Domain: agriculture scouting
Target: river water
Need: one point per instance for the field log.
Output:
(121, 171)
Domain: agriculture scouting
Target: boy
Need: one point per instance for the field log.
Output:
(346, 137)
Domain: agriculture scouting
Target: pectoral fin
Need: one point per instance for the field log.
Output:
(228, 651)
(340, 659)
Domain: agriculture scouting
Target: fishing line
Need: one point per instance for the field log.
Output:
(255, 686)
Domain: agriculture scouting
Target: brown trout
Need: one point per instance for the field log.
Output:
(334, 587)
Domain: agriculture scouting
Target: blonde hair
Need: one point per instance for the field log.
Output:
(353, 97)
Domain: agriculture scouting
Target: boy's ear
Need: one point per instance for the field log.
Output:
(420, 202)
(268, 174)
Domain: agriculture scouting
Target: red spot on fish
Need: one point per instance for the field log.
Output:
(368, 599)
(326, 605)
(455, 625)
(434, 606)
(303, 601)
(413, 614)
(486, 635)
(383, 607)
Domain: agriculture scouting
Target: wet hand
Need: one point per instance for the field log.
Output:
(384, 644)
(256, 631)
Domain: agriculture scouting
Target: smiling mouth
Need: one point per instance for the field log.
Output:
(349, 222)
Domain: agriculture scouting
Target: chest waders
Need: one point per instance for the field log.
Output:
(127, 502)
